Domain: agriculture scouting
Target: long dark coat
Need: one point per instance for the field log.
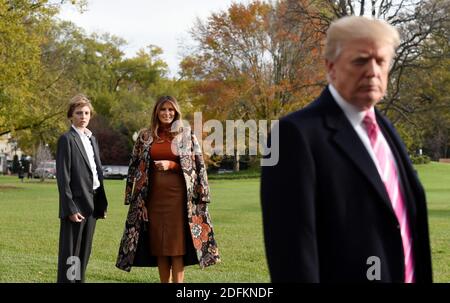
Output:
(134, 249)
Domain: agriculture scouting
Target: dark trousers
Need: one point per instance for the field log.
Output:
(75, 244)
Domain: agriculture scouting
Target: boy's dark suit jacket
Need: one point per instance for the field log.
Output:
(75, 178)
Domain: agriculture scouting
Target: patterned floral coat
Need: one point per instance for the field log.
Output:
(134, 249)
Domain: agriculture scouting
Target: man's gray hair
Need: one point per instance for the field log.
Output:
(350, 28)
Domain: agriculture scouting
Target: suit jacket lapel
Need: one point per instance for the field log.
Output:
(346, 138)
(80, 145)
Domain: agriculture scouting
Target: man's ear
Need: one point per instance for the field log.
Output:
(329, 65)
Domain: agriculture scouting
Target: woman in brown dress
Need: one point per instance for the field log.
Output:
(165, 207)
(168, 223)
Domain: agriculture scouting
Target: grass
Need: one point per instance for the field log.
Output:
(435, 178)
(30, 230)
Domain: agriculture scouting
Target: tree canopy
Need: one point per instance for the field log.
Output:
(258, 60)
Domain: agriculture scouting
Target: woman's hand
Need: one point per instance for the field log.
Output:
(144, 214)
(162, 164)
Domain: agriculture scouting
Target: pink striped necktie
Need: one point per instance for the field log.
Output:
(389, 175)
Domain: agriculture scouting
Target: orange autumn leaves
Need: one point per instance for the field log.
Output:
(252, 62)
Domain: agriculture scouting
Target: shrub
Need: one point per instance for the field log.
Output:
(420, 159)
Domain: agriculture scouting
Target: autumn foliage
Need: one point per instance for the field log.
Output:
(254, 62)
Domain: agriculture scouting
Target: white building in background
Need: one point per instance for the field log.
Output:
(8, 148)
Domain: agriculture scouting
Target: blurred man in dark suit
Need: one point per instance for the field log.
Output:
(344, 203)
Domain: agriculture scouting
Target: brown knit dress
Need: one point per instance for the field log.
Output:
(166, 204)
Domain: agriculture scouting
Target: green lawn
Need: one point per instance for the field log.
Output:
(436, 180)
(30, 229)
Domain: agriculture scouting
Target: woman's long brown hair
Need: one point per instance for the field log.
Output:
(155, 123)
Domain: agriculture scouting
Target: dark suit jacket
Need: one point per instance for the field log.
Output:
(325, 207)
(75, 178)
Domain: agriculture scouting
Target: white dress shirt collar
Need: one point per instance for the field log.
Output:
(353, 114)
(87, 132)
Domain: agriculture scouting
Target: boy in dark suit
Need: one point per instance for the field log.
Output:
(82, 198)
